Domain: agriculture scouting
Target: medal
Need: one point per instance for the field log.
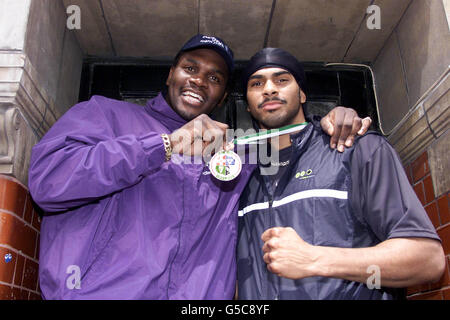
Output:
(226, 165)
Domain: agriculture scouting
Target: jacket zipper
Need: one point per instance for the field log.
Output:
(271, 225)
(171, 266)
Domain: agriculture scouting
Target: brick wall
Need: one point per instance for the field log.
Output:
(437, 208)
(19, 242)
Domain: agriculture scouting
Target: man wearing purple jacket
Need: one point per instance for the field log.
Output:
(126, 216)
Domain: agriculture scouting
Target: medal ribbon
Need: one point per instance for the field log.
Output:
(254, 138)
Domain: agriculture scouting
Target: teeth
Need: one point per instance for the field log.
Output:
(193, 95)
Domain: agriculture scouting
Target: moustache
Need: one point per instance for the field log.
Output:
(273, 99)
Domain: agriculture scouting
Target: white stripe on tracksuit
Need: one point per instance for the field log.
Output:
(315, 193)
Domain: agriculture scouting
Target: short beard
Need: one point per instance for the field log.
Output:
(280, 121)
(283, 120)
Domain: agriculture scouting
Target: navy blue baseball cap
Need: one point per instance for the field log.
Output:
(203, 41)
(275, 57)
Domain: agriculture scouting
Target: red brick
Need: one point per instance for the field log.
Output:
(418, 189)
(437, 295)
(7, 268)
(5, 292)
(444, 214)
(446, 294)
(28, 240)
(7, 225)
(432, 211)
(19, 294)
(420, 167)
(408, 173)
(17, 234)
(18, 275)
(28, 214)
(14, 197)
(34, 296)
(444, 234)
(416, 289)
(36, 253)
(36, 220)
(410, 291)
(30, 275)
(428, 188)
(2, 188)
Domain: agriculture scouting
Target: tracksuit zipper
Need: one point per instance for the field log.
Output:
(271, 225)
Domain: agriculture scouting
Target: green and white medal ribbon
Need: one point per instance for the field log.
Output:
(226, 165)
(263, 135)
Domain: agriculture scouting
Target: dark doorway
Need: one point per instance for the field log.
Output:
(139, 80)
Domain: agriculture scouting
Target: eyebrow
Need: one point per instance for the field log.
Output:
(192, 60)
(215, 70)
(276, 74)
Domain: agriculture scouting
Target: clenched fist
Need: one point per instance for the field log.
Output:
(200, 136)
(287, 255)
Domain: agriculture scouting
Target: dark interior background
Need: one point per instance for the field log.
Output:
(138, 81)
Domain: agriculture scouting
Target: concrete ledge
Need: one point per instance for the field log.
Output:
(447, 10)
(19, 86)
(425, 123)
(7, 137)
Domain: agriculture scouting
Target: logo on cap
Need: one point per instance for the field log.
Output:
(215, 43)
(212, 40)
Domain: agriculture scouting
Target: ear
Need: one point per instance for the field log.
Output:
(169, 77)
(302, 97)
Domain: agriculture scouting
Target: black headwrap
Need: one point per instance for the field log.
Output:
(278, 58)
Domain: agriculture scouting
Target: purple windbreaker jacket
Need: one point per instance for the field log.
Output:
(120, 222)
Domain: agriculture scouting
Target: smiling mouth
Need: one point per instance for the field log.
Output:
(192, 97)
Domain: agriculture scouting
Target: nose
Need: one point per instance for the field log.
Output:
(270, 89)
(199, 80)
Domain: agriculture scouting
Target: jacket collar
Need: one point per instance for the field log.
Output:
(160, 110)
(300, 142)
(300, 139)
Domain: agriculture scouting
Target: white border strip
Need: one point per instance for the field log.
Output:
(253, 207)
(315, 193)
